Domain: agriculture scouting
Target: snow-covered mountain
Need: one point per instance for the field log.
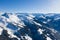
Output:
(25, 26)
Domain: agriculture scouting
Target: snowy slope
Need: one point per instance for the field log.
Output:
(21, 26)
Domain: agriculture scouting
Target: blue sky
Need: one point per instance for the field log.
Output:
(30, 6)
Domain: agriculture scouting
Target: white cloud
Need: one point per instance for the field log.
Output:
(54, 7)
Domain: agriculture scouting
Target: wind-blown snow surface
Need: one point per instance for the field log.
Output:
(24, 26)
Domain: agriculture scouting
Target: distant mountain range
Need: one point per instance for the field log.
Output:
(26, 26)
